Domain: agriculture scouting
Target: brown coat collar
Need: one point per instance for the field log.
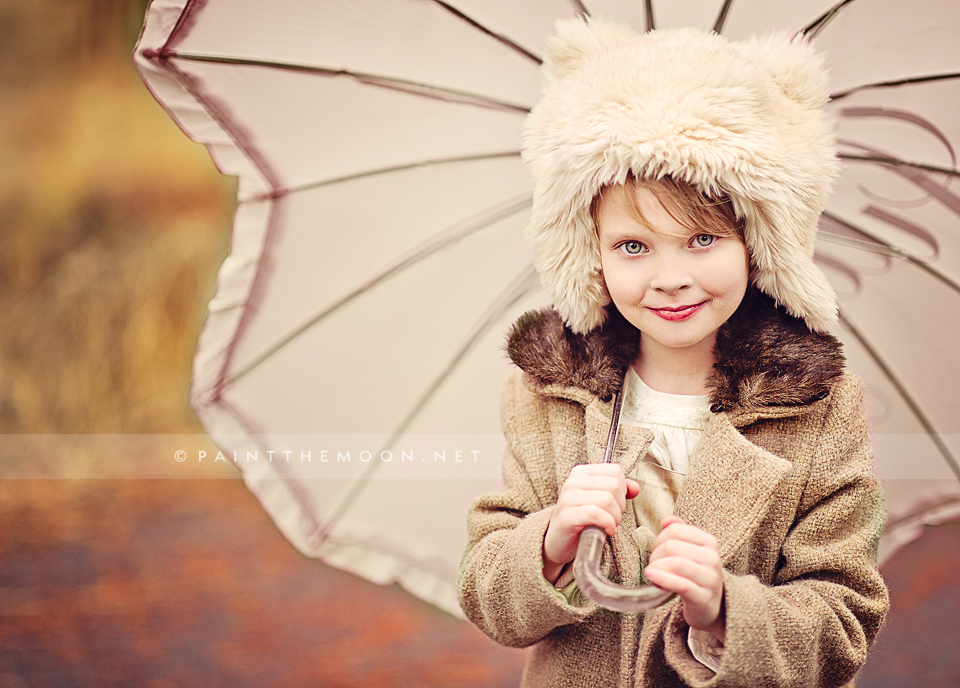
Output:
(765, 357)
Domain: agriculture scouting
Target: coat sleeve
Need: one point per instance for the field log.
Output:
(814, 624)
(501, 587)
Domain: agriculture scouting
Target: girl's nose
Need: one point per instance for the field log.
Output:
(671, 275)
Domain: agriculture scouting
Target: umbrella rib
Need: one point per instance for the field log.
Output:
(722, 17)
(437, 570)
(436, 243)
(394, 168)
(403, 85)
(899, 163)
(856, 243)
(896, 82)
(581, 8)
(904, 394)
(820, 23)
(651, 25)
(897, 252)
(918, 512)
(490, 32)
(520, 286)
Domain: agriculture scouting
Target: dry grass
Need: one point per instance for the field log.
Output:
(113, 225)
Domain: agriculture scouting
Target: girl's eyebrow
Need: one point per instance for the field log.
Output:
(626, 231)
(643, 234)
(616, 237)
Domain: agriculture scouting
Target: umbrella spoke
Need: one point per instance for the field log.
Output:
(403, 85)
(517, 289)
(920, 512)
(896, 82)
(387, 170)
(904, 394)
(436, 243)
(903, 116)
(581, 8)
(503, 39)
(650, 23)
(884, 160)
(435, 569)
(722, 17)
(526, 281)
(820, 23)
(889, 250)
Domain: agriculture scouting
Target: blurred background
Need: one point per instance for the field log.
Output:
(112, 227)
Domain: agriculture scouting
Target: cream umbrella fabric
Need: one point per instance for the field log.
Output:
(377, 256)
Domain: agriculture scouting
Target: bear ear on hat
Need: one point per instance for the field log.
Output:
(793, 64)
(575, 40)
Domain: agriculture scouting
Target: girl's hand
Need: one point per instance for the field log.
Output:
(685, 560)
(592, 495)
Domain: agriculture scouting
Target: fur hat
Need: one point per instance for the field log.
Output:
(745, 119)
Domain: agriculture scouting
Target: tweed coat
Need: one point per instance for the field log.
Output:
(782, 476)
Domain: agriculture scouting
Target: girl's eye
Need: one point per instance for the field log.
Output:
(632, 247)
(703, 240)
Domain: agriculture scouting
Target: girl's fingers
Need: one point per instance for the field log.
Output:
(686, 560)
(593, 494)
(607, 478)
(675, 528)
(702, 603)
(593, 516)
(698, 574)
(562, 536)
(582, 515)
(700, 553)
(674, 582)
(574, 498)
(669, 521)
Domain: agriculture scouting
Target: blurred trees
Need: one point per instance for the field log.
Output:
(112, 225)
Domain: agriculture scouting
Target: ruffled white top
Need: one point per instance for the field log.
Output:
(677, 422)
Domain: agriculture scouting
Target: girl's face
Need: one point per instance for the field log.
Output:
(676, 285)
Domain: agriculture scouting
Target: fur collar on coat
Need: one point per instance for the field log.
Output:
(765, 357)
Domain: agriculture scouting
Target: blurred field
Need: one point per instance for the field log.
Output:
(112, 227)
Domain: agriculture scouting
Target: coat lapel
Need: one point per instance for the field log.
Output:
(632, 442)
(730, 485)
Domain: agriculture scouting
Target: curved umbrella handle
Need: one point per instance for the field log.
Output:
(597, 588)
(586, 567)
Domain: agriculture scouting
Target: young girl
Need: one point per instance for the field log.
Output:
(678, 182)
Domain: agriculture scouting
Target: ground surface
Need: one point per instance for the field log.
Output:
(187, 583)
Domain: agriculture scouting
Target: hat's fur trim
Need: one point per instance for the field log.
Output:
(745, 119)
(764, 356)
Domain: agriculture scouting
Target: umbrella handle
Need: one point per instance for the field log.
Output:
(597, 588)
(586, 566)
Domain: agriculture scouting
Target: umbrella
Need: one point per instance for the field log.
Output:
(350, 361)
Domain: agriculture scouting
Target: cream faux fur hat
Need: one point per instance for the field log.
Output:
(745, 119)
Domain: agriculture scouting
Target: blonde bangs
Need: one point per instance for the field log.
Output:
(683, 203)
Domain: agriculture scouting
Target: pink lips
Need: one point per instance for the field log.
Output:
(678, 313)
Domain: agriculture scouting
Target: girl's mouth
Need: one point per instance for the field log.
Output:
(678, 313)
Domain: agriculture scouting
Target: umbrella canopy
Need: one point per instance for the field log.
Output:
(351, 359)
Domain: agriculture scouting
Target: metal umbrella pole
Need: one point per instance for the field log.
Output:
(586, 566)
